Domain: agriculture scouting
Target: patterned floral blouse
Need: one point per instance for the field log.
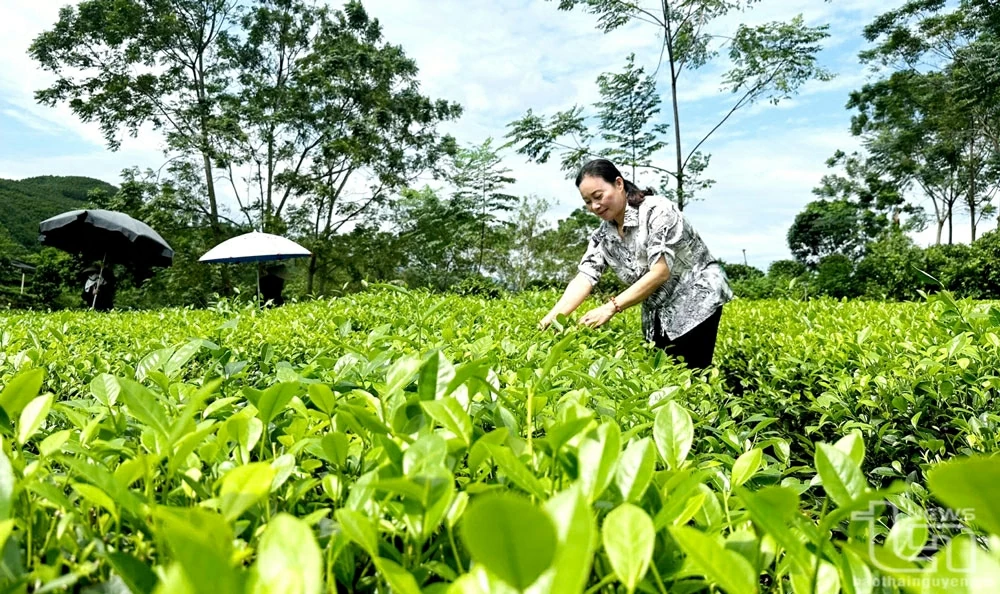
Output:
(697, 285)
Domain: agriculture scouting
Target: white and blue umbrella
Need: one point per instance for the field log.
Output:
(255, 247)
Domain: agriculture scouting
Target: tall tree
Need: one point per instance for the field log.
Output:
(436, 235)
(879, 198)
(768, 62)
(824, 228)
(915, 128)
(479, 178)
(339, 126)
(961, 39)
(125, 64)
(627, 127)
(279, 129)
(630, 133)
(952, 48)
(524, 248)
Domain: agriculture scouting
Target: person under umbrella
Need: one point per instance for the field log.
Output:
(108, 236)
(272, 284)
(99, 288)
(257, 247)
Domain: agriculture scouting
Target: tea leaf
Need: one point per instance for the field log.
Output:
(842, 478)
(96, 497)
(628, 536)
(335, 447)
(397, 577)
(322, 396)
(400, 374)
(827, 580)
(853, 444)
(105, 388)
(151, 362)
(435, 375)
(359, 529)
(428, 451)
(181, 357)
(673, 432)
(516, 471)
(448, 412)
(962, 567)
(598, 459)
(970, 487)
(577, 533)
(746, 466)
(6, 486)
(139, 578)
(773, 508)
(907, 537)
(201, 542)
(512, 538)
(728, 569)
(635, 469)
(32, 417)
(54, 443)
(143, 405)
(288, 558)
(244, 486)
(274, 400)
(857, 575)
(20, 391)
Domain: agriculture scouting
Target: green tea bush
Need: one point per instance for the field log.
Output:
(402, 441)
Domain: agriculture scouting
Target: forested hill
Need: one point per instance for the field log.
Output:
(27, 202)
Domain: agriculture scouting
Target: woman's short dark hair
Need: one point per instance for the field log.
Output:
(607, 171)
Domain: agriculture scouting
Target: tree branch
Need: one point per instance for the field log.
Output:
(757, 88)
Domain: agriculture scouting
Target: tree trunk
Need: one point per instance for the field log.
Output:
(268, 224)
(973, 190)
(972, 219)
(213, 207)
(322, 279)
(940, 228)
(668, 39)
(312, 274)
(951, 217)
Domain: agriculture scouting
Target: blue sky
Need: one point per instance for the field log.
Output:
(503, 57)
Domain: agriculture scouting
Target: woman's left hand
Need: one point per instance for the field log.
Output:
(598, 316)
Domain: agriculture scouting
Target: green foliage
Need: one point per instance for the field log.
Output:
(835, 276)
(931, 119)
(768, 62)
(889, 270)
(446, 444)
(480, 181)
(26, 203)
(825, 228)
(284, 100)
(738, 272)
(786, 269)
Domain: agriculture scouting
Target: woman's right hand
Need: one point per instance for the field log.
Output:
(546, 321)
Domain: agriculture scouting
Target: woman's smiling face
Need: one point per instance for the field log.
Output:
(603, 199)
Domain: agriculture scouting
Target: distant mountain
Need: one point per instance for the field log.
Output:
(26, 203)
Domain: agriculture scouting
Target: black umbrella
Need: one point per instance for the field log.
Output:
(106, 235)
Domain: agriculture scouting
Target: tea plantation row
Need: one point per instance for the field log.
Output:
(404, 442)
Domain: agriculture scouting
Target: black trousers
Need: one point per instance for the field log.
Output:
(697, 346)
